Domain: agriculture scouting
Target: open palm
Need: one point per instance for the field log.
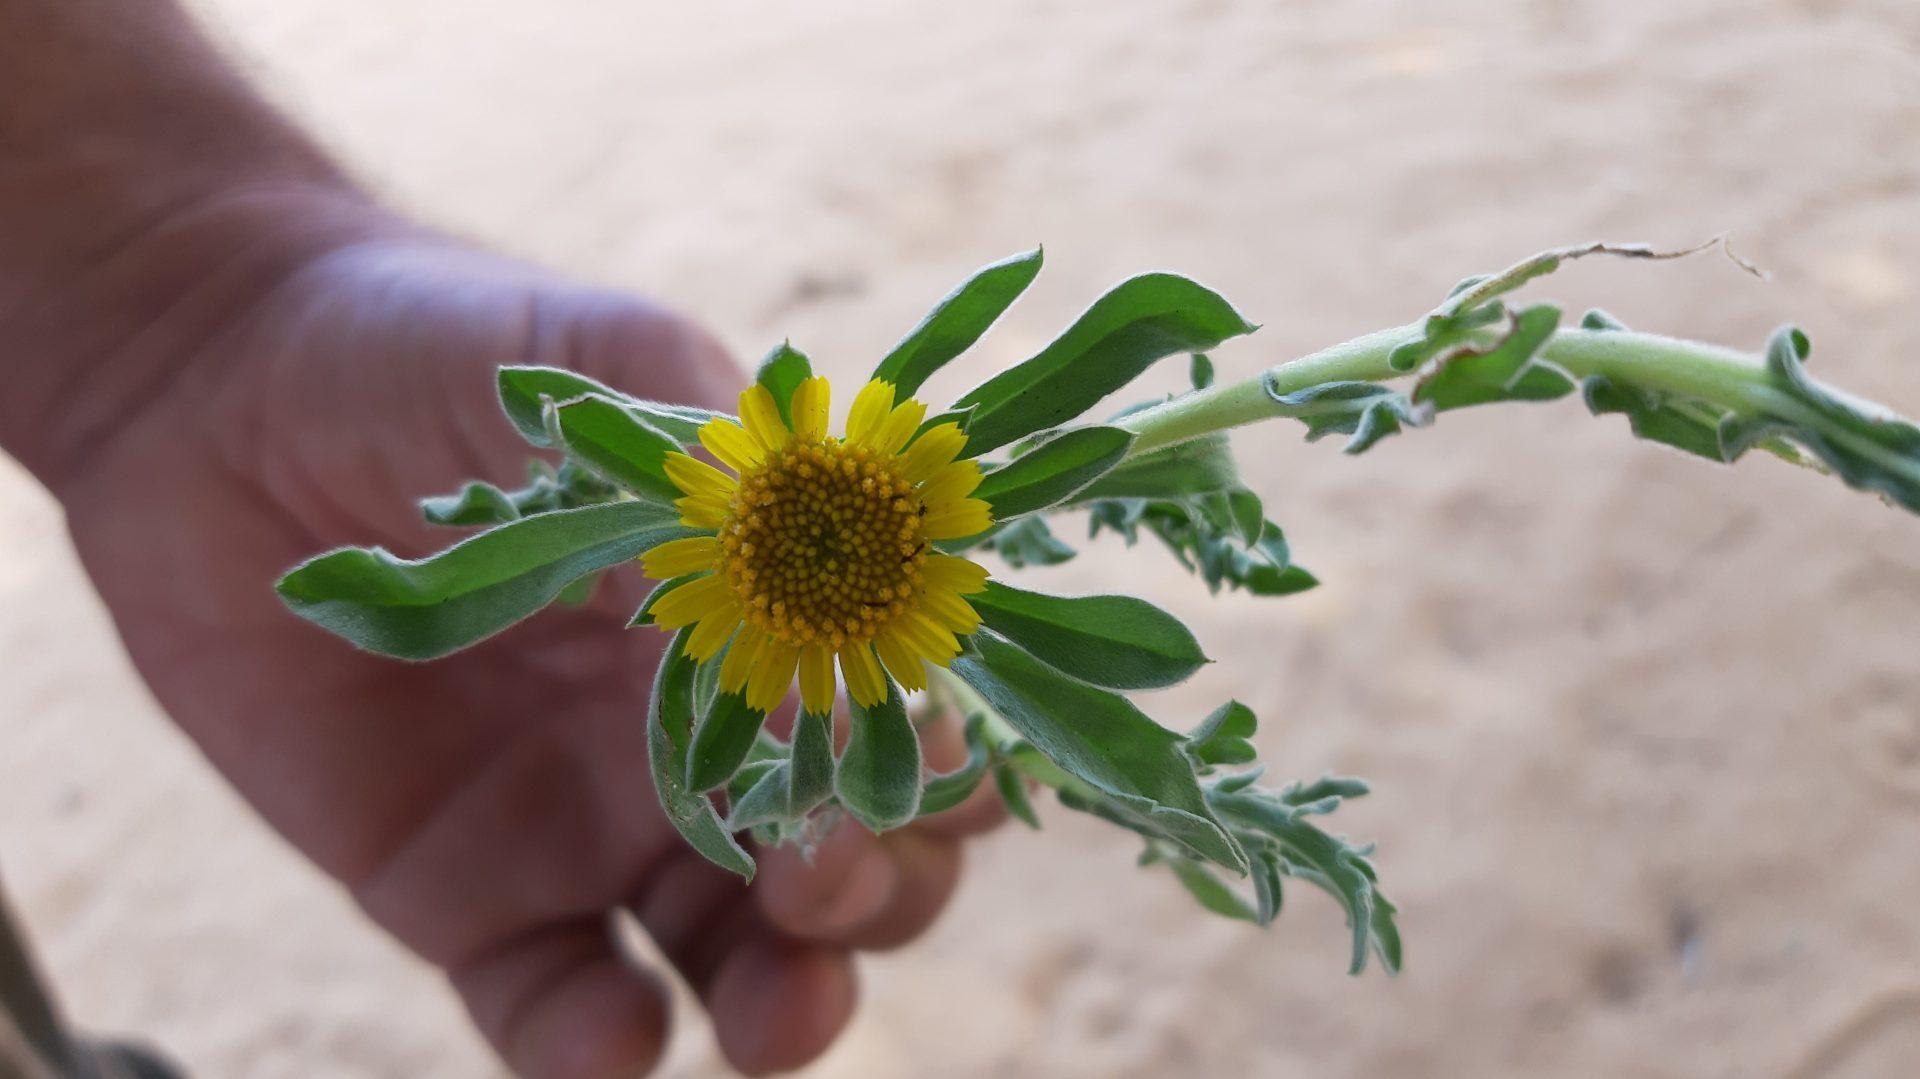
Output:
(492, 810)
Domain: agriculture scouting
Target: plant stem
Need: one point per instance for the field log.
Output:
(1649, 361)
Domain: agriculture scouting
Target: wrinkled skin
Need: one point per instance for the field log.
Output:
(492, 810)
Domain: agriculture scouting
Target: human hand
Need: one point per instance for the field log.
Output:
(493, 834)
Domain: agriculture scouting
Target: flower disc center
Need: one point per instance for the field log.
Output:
(823, 544)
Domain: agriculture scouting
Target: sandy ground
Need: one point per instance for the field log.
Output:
(1645, 734)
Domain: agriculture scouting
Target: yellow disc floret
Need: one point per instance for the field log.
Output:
(822, 547)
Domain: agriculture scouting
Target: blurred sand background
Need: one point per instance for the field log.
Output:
(1644, 734)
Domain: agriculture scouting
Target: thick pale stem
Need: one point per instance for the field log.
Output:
(1649, 361)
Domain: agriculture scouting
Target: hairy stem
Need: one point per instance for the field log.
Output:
(1650, 361)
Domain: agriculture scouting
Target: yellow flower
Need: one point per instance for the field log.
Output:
(820, 548)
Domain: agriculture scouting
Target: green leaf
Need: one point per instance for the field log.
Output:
(722, 740)
(1200, 371)
(782, 372)
(1115, 641)
(427, 608)
(1194, 467)
(1341, 869)
(1028, 542)
(1053, 471)
(1012, 788)
(1140, 321)
(764, 802)
(1222, 738)
(1101, 739)
(644, 616)
(1211, 891)
(1214, 549)
(669, 719)
(617, 443)
(811, 780)
(523, 389)
(957, 322)
(484, 504)
(943, 792)
(1507, 370)
(476, 504)
(879, 775)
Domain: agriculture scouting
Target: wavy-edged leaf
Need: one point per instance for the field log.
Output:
(523, 389)
(1137, 323)
(426, 608)
(958, 321)
(1222, 738)
(669, 732)
(1028, 542)
(476, 504)
(1101, 739)
(618, 443)
(878, 779)
(1119, 642)
(1053, 471)
(1207, 535)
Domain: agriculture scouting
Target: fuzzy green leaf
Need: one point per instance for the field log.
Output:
(811, 780)
(426, 608)
(957, 322)
(476, 504)
(617, 443)
(1119, 642)
(1053, 471)
(1194, 467)
(949, 789)
(879, 775)
(782, 372)
(1029, 542)
(1012, 788)
(1101, 739)
(1211, 891)
(722, 740)
(523, 390)
(1222, 738)
(1140, 321)
(669, 722)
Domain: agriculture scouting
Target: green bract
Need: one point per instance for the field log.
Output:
(1040, 686)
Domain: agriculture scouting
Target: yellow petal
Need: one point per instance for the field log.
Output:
(712, 632)
(675, 557)
(901, 660)
(698, 478)
(967, 517)
(947, 608)
(772, 675)
(739, 662)
(870, 408)
(731, 443)
(925, 637)
(809, 408)
(865, 682)
(691, 602)
(701, 512)
(938, 446)
(950, 484)
(816, 679)
(898, 427)
(952, 572)
(761, 417)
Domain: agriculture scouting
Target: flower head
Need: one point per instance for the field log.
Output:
(819, 548)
